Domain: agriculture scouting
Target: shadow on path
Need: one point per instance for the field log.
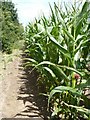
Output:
(35, 104)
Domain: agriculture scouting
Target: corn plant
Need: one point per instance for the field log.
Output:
(58, 47)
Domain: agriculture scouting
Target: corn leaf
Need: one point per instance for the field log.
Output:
(68, 34)
(71, 69)
(80, 109)
(30, 60)
(59, 72)
(50, 71)
(61, 89)
(61, 48)
(83, 14)
(53, 15)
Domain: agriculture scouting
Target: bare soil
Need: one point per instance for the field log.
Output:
(19, 92)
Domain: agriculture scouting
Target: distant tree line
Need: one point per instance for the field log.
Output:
(11, 30)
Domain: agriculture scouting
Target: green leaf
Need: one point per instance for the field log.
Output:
(68, 34)
(53, 15)
(31, 60)
(71, 69)
(59, 71)
(83, 14)
(61, 89)
(84, 84)
(81, 44)
(50, 71)
(61, 48)
(56, 111)
(40, 27)
(79, 22)
(80, 109)
(84, 8)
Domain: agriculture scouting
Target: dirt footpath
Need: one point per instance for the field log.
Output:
(19, 97)
(9, 87)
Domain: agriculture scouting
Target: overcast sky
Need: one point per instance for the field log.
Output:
(29, 9)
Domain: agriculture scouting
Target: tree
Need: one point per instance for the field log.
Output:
(11, 30)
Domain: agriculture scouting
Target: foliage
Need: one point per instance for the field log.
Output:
(12, 30)
(58, 48)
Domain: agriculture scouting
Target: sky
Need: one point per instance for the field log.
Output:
(29, 9)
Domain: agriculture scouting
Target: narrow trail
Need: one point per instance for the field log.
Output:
(20, 94)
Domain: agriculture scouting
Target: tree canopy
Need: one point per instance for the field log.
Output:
(11, 29)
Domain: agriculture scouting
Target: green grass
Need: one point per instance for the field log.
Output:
(5, 59)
